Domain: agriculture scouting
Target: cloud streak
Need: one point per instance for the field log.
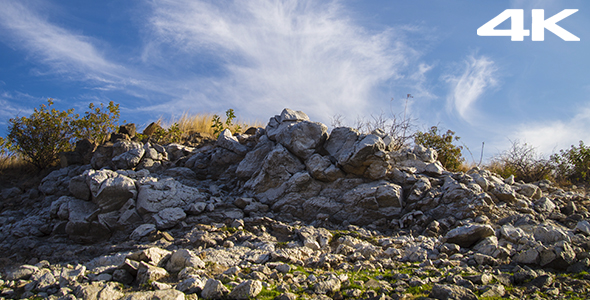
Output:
(478, 75)
(305, 55)
(62, 50)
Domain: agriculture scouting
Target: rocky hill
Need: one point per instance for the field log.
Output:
(289, 211)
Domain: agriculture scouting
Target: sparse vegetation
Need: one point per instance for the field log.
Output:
(219, 126)
(572, 165)
(522, 161)
(47, 131)
(448, 154)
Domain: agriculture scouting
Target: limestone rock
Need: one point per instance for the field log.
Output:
(227, 141)
(279, 165)
(183, 258)
(83, 226)
(155, 196)
(246, 290)
(302, 138)
(162, 294)
(169, 217)
(214, 289)
(449, 292)
(254, 160)
(467, 235)
(321, 168)
(147, 273)
(110, 190)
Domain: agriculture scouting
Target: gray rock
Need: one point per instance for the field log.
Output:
(129, 159)
(183, 258)
(544, 205)
(109, 190)
(279, 165)
(162, 294)
(56, 182)
(513, 234)
(253, 161)
(43, 279)
(22, 272)
(548, 234)
(530, 191)
(83, 225)
(494, 291)
(214, 289)
(10, 192)
(451, 292)
(79, 188)
(330, 285)
(169, 217)
(362, 155)
(191, 285)
(302, 138)
(147, 273)
(583, 226)
(99, 291)
(152, 255)
(467, 235)
(227, 141)
(246, 290)
(557, 256)
(386, 194)
(142, 231)
(321, 168)
(504, 192)
(528, 256)
(154, 196)
(70, 276)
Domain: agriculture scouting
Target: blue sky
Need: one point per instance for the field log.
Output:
(326, 58)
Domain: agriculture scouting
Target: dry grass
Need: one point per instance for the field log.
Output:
(202, 123)
(14, 169)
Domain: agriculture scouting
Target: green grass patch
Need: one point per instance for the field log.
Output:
(269, 293)
(420, 291)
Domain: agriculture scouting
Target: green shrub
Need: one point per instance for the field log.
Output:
(522, 161)
(573, 165)
(97, 123)
(448, 154)
(166, 136)
(42, 135)
(48, 131)
(219, 126)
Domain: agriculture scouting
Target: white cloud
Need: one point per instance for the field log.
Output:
(306, 55)
(551, 136)
(478, 75)
(61, 49)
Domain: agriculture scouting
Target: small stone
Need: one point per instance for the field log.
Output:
(246, 290)
(214, 289)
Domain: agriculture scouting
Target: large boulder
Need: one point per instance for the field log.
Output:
(83, 225)
(357, 154)
(279, 165)
(321, 168)
(154, 196)
(109, 190)
(255, 158)
(127, 154)
(467, 235)
(227, 141)
(303, 138)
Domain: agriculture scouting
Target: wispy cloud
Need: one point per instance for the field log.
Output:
(306, 55)
(551, 136)
(58, 48)
(477, 75)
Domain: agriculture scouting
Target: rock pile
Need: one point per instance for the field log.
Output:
(288, 211)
